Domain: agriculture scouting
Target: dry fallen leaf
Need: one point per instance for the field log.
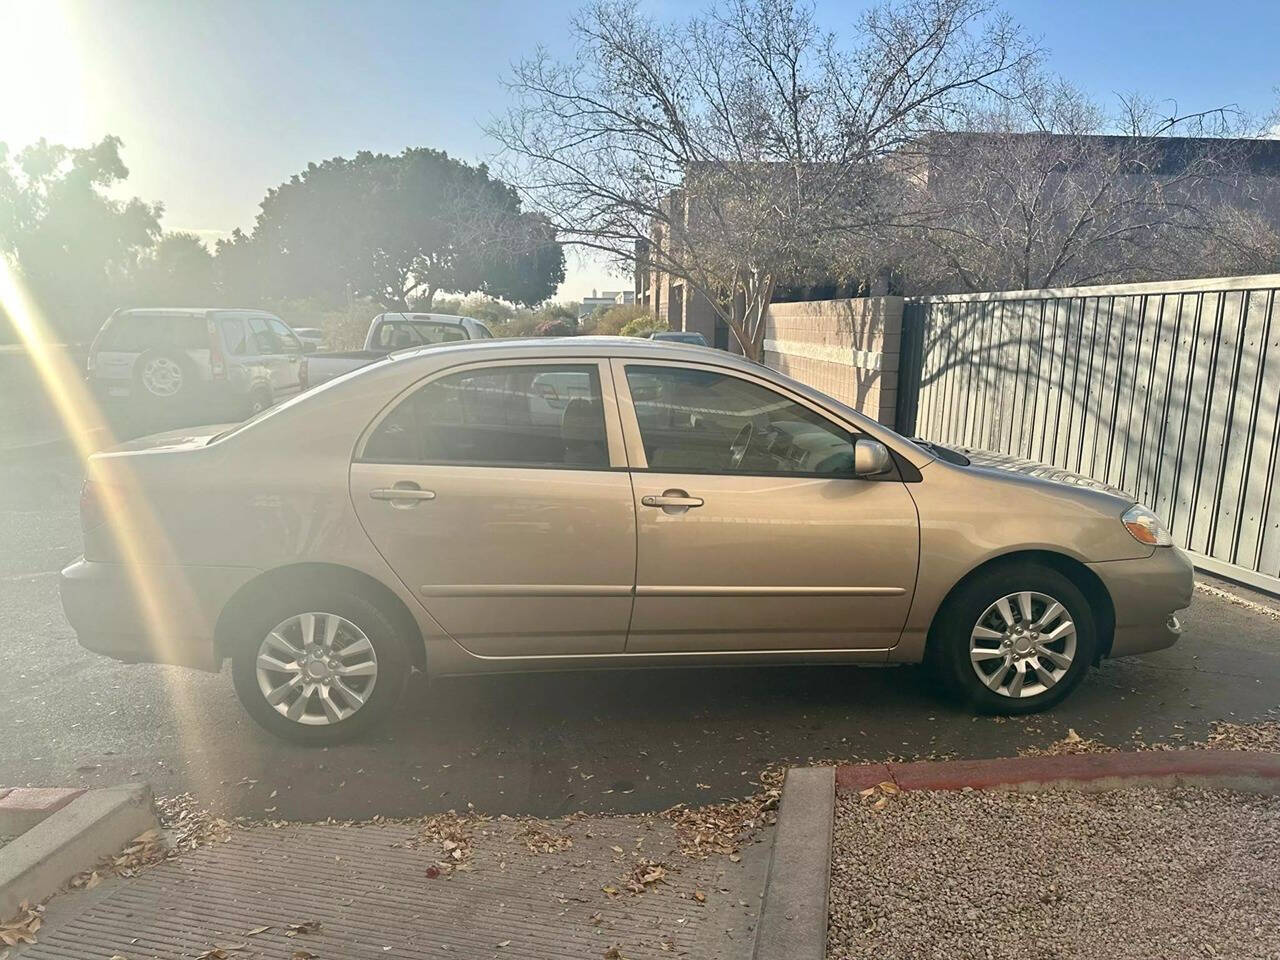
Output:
(302, 955)
(256, 931)
(505, 943)
(306, 926)
(614, 953)
(700, 896)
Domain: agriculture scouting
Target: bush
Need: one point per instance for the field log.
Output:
(611, 321)
(559, 327)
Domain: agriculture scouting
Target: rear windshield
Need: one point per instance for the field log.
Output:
(136, 332)
(398, 334)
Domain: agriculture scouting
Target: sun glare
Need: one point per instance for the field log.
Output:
(140, 541)
(41, 75)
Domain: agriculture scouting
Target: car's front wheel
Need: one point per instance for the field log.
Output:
(1015, 639)
(319, 667)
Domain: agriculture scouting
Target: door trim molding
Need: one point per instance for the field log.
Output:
(525, 590)
(674, 590)
(681, 590)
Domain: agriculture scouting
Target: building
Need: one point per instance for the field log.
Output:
(603, 300)
(957, 172)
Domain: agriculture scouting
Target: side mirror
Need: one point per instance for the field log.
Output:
(870, 459)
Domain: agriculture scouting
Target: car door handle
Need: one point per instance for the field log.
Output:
(671, 500)
(401, 493)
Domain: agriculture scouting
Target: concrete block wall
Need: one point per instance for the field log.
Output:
(847, 348)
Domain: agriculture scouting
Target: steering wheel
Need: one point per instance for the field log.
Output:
(741, 444)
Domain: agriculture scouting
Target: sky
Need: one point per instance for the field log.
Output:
(218, 100)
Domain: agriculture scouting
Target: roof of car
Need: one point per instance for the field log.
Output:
(569, 346)
(412, 315)
(196, 310)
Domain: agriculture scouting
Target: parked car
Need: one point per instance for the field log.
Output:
(437, 512)
(680, 336)
(389, 332)
(313, 336)
(215, 364)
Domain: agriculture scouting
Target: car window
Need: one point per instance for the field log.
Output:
(399, 334)
(137, 332)
(701, 421)
(263, 337)
(284, 336)
(235, 335)
(517, 415)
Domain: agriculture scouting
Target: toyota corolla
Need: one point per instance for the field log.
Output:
(597, 503)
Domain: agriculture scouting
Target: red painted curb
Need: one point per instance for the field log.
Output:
(1239, 769)
(44, 800)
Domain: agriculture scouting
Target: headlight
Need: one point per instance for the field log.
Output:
(1145, 527)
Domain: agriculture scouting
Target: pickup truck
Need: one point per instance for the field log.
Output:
(389, 332)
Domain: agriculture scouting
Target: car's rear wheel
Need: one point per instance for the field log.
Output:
(319, 667)
(1016, 639)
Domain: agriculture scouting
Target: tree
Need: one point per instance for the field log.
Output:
(1043, 188)
(742, 148)
(398, 228)
(177, 271)
(71, 243)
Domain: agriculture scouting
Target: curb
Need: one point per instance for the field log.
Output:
(21, 808)
(793, 917)
(94, 825)
(1246, 771)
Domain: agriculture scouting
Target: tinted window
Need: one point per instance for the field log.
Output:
(136, 332)
(235, 335)
(700, 421)
(521, 415)
(399, 334)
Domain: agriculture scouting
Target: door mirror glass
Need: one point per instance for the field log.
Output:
(871, 459)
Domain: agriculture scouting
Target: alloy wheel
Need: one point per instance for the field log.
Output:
(316, 668)
(162, 376)
(1023, 644)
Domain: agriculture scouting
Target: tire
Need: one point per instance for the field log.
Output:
(320, 723)
(164, 377)
(976, 607)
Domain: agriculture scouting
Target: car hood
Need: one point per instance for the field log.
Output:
(989, 460)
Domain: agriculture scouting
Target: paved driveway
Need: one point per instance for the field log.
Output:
(545, 745)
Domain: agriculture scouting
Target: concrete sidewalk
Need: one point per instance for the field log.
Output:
(445, 887)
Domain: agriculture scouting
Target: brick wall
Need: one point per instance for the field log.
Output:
(847, 348)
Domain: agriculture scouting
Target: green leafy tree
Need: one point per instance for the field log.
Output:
(177, 271)
(397, 229)
(72, 244)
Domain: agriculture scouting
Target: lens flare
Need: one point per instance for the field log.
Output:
(140, 542)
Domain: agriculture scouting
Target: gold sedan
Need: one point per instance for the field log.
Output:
(597, 502)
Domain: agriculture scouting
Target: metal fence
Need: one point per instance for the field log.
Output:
(1169, 391)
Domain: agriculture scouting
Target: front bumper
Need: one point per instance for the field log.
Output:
(99, 600)
(1146, 594)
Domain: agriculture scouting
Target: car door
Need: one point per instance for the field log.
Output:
(267, 351)
(752, 533)
(516, 531)
(285, 377)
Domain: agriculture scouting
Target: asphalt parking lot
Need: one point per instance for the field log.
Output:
(547, 744)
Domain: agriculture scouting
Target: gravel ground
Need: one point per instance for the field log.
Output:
(1128, 874)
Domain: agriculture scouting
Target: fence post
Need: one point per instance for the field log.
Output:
(910, 366)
